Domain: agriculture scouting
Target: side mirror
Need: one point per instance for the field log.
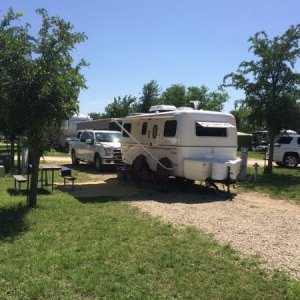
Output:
(89, 141)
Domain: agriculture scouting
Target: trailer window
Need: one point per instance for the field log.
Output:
(127, 126)
(154, 132)
(210, 131)
(144, 128)
(170, 128)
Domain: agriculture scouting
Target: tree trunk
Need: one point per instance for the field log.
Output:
(35, 162)
(12, 152)
(269, 167)
(19, 154)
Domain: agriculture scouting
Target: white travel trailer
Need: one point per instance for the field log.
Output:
(201, 145)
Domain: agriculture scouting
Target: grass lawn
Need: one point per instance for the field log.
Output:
(67, 249)
(283, 183)
(5, 149)
(54, 152)
(253, 154)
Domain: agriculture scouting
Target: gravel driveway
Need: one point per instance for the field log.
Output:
(253, 224)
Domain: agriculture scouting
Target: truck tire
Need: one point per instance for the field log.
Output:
(75, 161)
(290, 160)
(98, 163)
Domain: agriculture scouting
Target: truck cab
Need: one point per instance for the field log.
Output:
(97, 146)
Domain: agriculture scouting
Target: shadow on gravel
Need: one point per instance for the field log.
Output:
(112, 190)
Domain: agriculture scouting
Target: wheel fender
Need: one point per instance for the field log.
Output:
(291, 153)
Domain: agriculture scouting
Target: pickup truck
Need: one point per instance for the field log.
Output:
(96, 146)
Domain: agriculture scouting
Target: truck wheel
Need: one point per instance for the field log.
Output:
(75, 161)
(98, 163)
(291, 160)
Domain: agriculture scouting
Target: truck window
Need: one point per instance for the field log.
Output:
(170, 128)
(107, 136)
(144, 128)
(127, 126)
(210, 131)
(85, 136)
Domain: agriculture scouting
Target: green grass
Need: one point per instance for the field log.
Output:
(252, 154)
(4, 148)
(71, 248)
(283, 183)
(55, 152)
(82, 172)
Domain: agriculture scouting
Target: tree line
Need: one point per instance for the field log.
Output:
(177, 95)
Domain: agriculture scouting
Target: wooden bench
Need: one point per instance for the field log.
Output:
(70, 178)
(20, 179)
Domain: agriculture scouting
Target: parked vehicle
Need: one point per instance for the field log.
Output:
(198, 144)
(287, 151)
(96, 146)
(69, 130)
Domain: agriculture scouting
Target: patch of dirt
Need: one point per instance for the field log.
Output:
(57, 159)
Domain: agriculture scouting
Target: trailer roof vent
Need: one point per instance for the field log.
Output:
(162, 108)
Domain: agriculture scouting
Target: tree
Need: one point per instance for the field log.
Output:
(179, 96)
(206, 100)
(15, 54)
(245, 120)
(47, 85)
(271, 83)
(96, 116)
(53, 93)
(150, 96)
(120, 107)
(175, 95)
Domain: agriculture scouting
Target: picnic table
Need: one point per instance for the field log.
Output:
(44, 168)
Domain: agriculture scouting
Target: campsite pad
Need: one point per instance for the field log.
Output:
(111, 188)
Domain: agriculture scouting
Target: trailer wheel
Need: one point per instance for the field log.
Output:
(98, 163)
(75, 161)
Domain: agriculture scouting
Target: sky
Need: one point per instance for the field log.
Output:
(189, 42)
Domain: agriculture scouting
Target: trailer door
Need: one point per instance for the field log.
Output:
(153, 134)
